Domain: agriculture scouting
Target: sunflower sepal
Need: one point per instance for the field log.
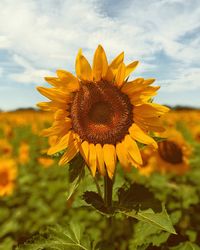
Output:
(76, 173)
(96, 201)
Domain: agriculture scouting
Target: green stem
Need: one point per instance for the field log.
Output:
(108, 187)
(98, 187)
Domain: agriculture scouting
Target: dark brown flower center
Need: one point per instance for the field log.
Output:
(101, 113)
(170, 152)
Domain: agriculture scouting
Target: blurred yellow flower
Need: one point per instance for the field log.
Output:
(8, 174)
(101, 114)
(5, 148)
(45, 162)
(23, 153)
(172, 155)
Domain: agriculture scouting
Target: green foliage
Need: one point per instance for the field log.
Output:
(95, 200)
(136, 196)
(51, 198)
(58, 238)
(76, 174)
(159, 220)
(146, 234)
(186, 246)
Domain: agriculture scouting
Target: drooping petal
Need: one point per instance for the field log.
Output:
(133, 149)
(100, 159)
(137, 134)
(83, 68)
(61, 144)
(130, 68)
(84, 150)
(70, 153)
(100, 64)
(122, 156)
(149, 123)
(92, 158)
(58, 129)
(109, 159)
(120, 76)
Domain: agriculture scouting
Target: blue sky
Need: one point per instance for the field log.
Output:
(38, 37)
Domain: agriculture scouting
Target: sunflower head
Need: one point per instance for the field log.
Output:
(8, 173)
(173, 154)
(101, 114)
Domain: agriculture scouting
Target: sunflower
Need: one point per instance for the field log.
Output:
(5, 148)
(101, 114)
(45, 162)
(24, 153)
(172, 155)
(8, 173)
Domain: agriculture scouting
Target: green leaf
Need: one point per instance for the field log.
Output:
(58, 238)
(95, 200)
(146, 234)
(137, 197)
(76, 166)
(186, 246)
(76, 174)
(159, 220)
(158, 139)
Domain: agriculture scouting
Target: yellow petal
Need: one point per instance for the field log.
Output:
(137, 134)
(119, 79)
(84, 150)
(133, 149)
(53, 81)
(68, 81)
(47, 106)
(83, 68)
(150, 109)
(72, 150)
(113, 67)
(100, 159)
(92, 158)
(61, 114)
(116, 62)
(100, 64)
(149, 81)
(61, 144)
(54, 94)
(109, 159)
(44, 106)
(57, 129)
(130, 68)
(122, 156)
(133, 86)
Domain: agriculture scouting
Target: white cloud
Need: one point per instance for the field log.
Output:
(29, 73)
(186, 79)
(44, 35)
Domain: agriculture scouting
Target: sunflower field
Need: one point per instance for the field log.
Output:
(106, 169)
(44, 206)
